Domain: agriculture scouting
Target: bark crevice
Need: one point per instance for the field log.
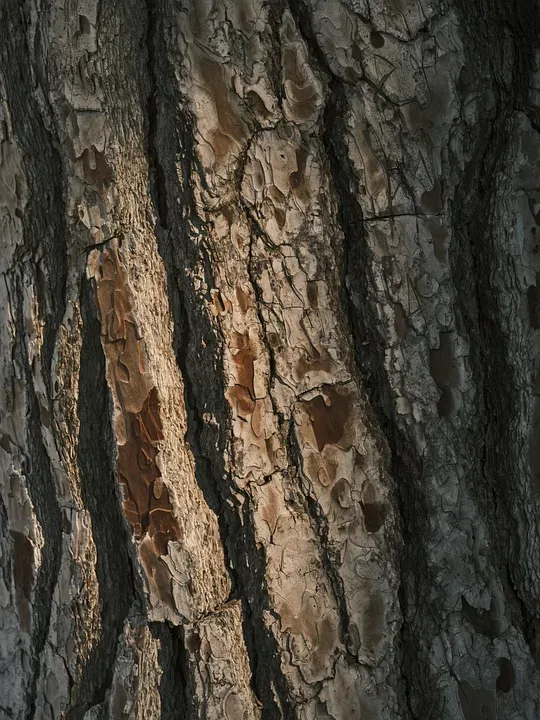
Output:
(177, 699)
(42, 491)
(473, 259)
(120, 587)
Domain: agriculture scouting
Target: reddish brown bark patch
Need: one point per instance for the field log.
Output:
(146, 502)
(123, 345)
(328, 414)
(242, 354)
(231, 127)
(147, 505)
(313, 363)
(297, 178)
(244, 301)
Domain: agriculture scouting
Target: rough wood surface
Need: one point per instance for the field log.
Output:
(269, 356)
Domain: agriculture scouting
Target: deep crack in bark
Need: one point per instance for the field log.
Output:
(42, 491)
(473, 258)
(120, 586)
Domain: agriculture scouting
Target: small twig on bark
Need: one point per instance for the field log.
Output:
(95, 246)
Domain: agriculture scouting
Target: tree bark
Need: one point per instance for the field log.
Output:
(269, 359)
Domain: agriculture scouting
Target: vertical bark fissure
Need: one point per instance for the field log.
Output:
(52, 238)
(176, 700)
(302, 17)
(369, 355)
(275, 14)
(260, 644)
(155, 166)
(119, 584)
(257, 232)
(472, 264)
(43, 226)
(44, 240)
(43, 219)
(198, 350)
(472, 208)
(178, 256)
(42, 491)
(8, 568)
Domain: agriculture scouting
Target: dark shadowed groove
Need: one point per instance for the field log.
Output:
(177, 697)
(247, 567)
(198, 351)
(41, 256)
(119, 584)
(275, 13)
(42, 491)
(50, 232)
(175, 690)
(471, 259)
(358, 292)
(416, 689)
(7, 565)
(7, 572)
(43, 219)
(159, 188)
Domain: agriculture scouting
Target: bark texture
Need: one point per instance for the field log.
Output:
(269, 360)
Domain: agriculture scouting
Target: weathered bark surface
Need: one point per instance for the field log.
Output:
(269, 359)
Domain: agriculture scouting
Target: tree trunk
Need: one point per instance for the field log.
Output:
(269, 360)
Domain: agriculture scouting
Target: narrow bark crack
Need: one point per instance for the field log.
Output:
(42, 491)
(120, 586)
(175, 688)
(257, 232)
(44, 226)
(156, 169)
